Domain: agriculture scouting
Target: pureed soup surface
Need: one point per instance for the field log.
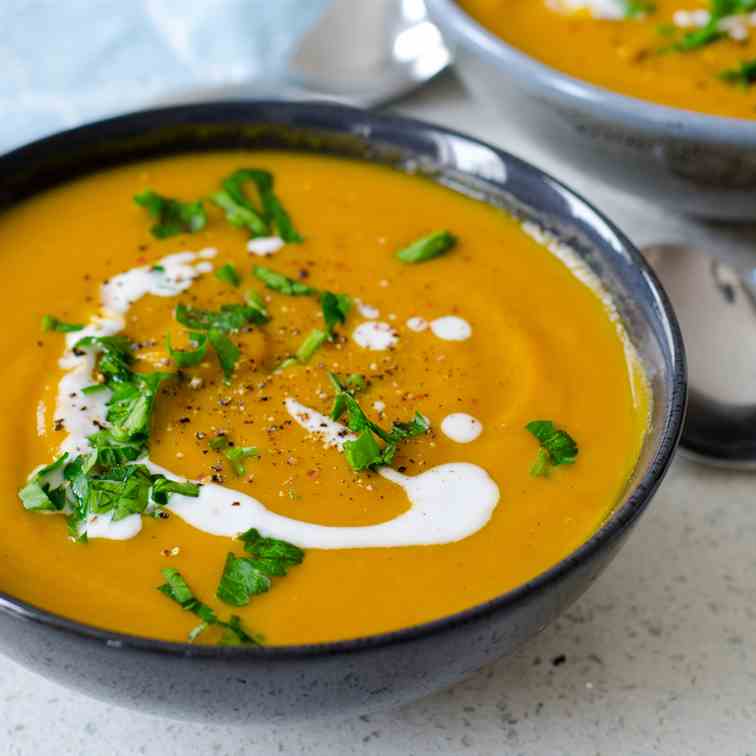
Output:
(481, 338)
(692, 54)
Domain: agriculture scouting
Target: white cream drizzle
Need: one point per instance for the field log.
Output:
(264, 246)
(461, 427)
(451, 328)
(375, 335)
(417, 324)
(607, 9)
(366, 310)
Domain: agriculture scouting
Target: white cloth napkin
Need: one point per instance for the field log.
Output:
(63, 63)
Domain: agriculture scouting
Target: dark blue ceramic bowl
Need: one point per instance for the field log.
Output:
(217, 684)
(689, 162)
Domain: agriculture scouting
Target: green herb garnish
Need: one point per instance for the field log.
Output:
(177, 589)
(108, 479)
(743, 75)
(171, 215)
(236, 456)
(229, 275)
(335, 308)
(242, 213)
(557, 447)
(185, 358)
(719, 10)
(281, 283)
(365, 452)
(427, 247)
(247, 576)
(227, 352)
(230, 317)
(51, 323)
(313, 341)
(637, 8)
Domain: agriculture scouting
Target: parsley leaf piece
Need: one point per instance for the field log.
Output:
(230, 317)
(236, 456)
(241, 212)
(132, 394)
(241, 580)
(743, 75)
(227, 352)
(364, 452)
(247, 576)
(163, 487)
(638, 8)
(171, 215)
(229, 275)
(113, 452)
(281, 283)
(335, 308)
(557, 447)
(185, 358)
(95, 388)
(37, 494)
(51, 323)
(313, 341)
(178, 590)
(428, 247)
(131, 403)
(219, 443)
(255, 302)
(270, 549)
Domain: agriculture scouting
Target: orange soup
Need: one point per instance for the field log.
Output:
(286, 398)
(698, 55)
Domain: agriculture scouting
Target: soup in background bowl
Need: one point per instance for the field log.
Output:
(656, 99)
(304, 405)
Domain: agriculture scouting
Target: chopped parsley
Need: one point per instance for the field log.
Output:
(185, 358)
(172, 216)
(335, 308)
(557, 447)
(228, 274)
(743, 75)
(236, 456)
(247, 576)
(281, 283)
(230, 317)
(51, 323)
(712, 31)
(260, 220)
(638, 8)
(216, 325)
(108, 479)
(313, 341)
(227, 352)
(177, 589)
(365, 451)
(428, 247)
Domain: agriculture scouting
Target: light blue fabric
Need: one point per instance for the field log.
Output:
(63, 62)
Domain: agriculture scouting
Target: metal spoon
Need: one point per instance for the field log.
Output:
(716, 306)
(359, 52)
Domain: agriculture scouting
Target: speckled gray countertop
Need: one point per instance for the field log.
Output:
(657, 658)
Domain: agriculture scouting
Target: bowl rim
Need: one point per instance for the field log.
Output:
(635, 499)
(606, 104)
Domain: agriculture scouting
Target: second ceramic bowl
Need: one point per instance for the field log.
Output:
(691, 163)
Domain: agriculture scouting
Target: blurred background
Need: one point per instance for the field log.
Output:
(66, 63)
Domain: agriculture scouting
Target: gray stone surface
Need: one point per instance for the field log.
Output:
(657, 658)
